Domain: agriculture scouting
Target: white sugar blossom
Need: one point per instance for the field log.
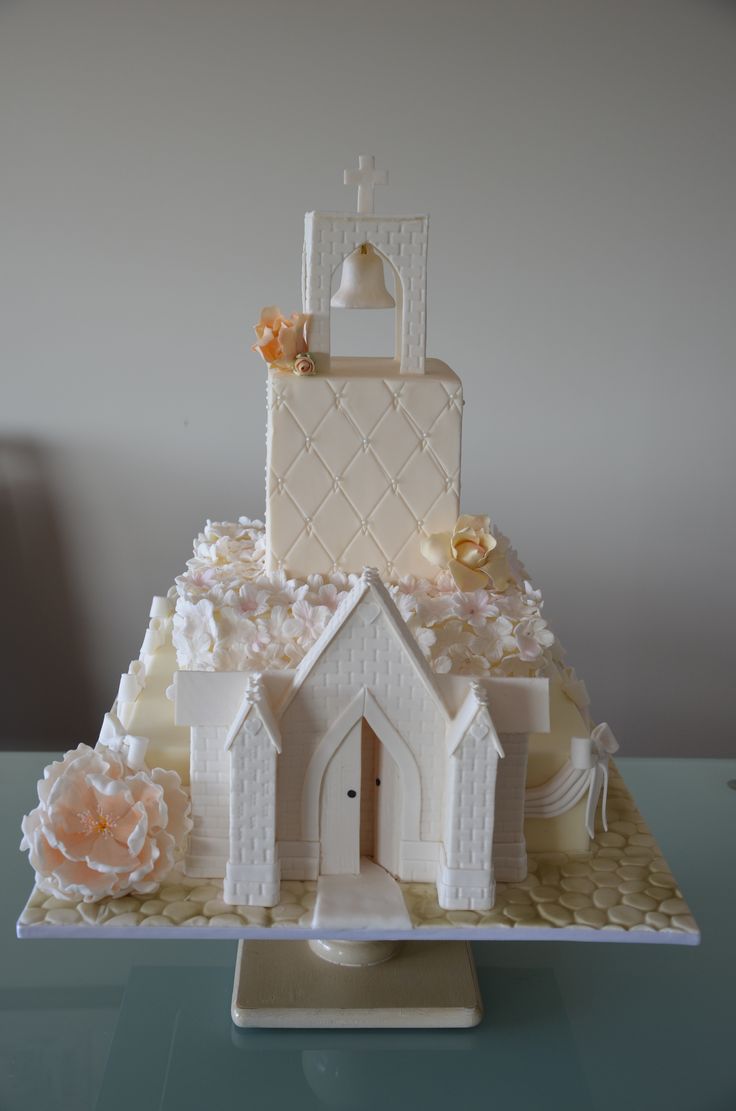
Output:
(273, 628)
(233, 615)
(232, 655)
(466, 662)
(286, 591)
(306, 623)
(491, 643)
(441, 665)
(343, 581)
(532, 637)
(444, 583)
(222, 543)
(194, 634)
(236, 636)
(248, 599)
(425, 638)
(475, 607)
(515, 606)
(323, 594)
(410, 584)
(202, 578)
(432, 610)
(532, 596)
(405, 603)
(269, 657)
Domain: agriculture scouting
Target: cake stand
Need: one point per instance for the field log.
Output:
(295, 970)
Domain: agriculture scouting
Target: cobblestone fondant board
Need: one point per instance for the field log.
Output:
(622, 890)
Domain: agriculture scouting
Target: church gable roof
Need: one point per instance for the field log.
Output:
(254, 714)
(226, 699)
(473, 718)
(369, 591)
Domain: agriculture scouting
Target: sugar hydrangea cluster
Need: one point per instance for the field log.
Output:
(231, 615)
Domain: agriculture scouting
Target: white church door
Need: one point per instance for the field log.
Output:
(360, 805)
(340, 808)
(386, 799)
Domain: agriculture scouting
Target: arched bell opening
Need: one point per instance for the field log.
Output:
(366, 279)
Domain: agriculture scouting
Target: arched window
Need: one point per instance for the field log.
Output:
(402, 241)
(363, 333)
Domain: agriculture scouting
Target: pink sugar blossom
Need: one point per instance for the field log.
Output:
(248, 599)
(325, 595)
(532, 637)
(475, 607)
(306, 623)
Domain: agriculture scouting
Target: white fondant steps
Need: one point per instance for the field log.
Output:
(366, 901)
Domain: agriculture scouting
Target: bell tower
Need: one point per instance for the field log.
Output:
(363, 457)
(334, 238)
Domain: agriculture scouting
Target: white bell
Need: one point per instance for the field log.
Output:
(362, 285)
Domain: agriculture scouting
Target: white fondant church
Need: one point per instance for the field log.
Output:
(352, 764)
(361, 751)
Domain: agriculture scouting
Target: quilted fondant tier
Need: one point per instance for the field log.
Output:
(362, 463)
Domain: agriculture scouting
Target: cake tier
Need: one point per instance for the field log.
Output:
(363, 462)
(232, 614)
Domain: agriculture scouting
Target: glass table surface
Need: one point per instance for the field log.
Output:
(145, 1024)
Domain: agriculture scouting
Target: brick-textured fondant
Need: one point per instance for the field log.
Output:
(509, 847)
(252, 876)
(209, 773)
(466, 881)
(402, 240)
(296, 731)
(363, 655)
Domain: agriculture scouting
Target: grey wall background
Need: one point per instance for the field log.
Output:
(578, 160)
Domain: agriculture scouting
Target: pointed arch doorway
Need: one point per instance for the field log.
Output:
(361, 793)
(358, 805)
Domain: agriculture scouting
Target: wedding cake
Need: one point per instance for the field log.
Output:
(367, 680)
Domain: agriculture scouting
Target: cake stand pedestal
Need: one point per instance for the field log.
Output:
(331, 984)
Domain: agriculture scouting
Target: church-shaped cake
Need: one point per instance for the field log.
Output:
(361, 692)
(362, 752)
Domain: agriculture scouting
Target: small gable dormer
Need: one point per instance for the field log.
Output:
(253, 743)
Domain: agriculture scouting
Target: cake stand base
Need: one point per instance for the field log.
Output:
(429, 984)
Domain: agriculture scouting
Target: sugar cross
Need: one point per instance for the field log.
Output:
(366, 177)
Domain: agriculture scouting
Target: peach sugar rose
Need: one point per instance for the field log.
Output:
(466, 551)
(281, 339)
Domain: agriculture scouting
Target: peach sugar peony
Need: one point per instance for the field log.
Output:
(102, 828)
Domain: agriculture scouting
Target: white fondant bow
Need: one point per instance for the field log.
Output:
(132, 749)
(595, 752)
